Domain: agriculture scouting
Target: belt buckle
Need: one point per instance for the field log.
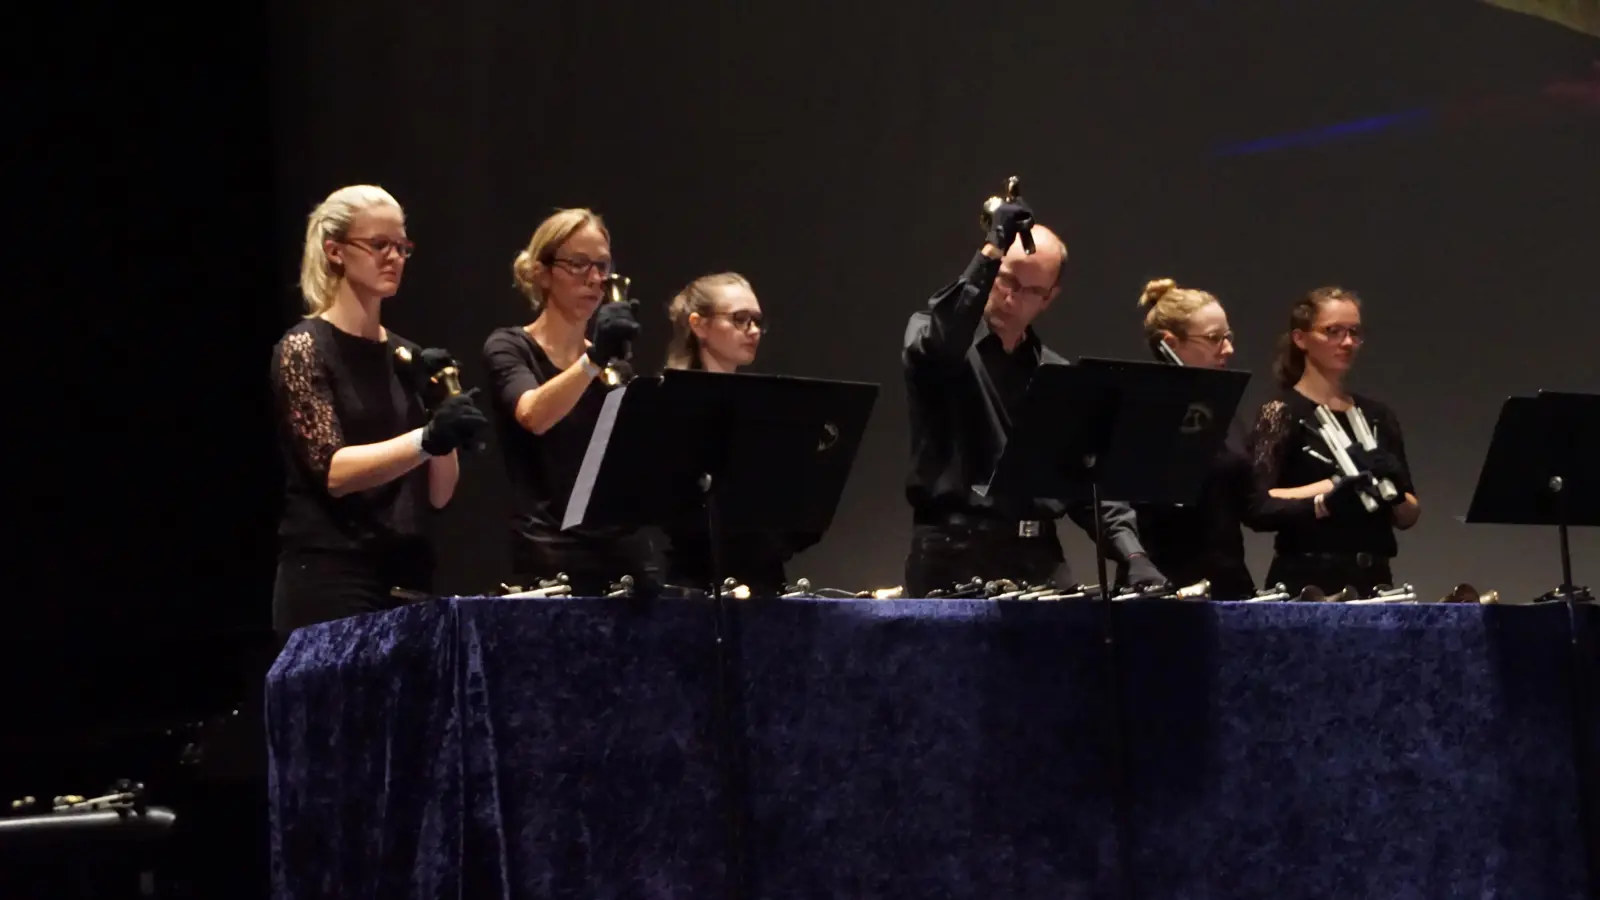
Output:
(1364, 560)
(1029, 528)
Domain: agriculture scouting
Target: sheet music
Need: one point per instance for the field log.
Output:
(578, 502)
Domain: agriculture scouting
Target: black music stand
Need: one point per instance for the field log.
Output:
(1540, 468)
(1116, 430)
(738, 453)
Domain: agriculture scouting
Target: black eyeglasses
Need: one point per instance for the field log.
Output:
(743, 319)
(581, 266)
(1337, 333)
(380, 246)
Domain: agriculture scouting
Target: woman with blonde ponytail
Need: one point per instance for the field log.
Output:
(366, 461)
(1204, 540)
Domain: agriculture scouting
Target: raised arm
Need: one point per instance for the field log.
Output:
(943, 332)
(537, 405)
(305, 402)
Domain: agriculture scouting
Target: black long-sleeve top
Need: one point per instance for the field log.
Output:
(1279, 443)
(1204, 539)
(334, 389)
(963, 389)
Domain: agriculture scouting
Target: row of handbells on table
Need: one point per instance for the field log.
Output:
(1003, 589)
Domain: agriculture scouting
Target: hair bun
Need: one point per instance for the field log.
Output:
(1155, 290)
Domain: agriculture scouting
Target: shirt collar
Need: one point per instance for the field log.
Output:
(1030, 342)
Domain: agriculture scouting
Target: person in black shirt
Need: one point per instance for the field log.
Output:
(1204, 540)
(547, 399)
(717, 325)
(366, 464)
(968, 358)
(1343, 544)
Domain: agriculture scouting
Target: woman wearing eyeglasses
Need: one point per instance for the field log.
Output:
(365, 461)
(548, 394)
(1204, 540)
(717, 325)
(1343, 543)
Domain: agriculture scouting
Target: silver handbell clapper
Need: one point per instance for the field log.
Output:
(1405, 593)
(1338, 443)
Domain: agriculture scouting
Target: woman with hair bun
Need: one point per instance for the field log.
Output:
(1204, 540)
(365, 460)
(1343, 544)
(547, 397)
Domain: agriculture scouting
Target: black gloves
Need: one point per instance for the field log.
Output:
(1011, 219)
(1142, 573)
(456, 423)
(1345, 498)
(614, 327)
(1380, 462)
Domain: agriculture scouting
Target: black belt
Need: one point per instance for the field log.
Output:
(1361, 559)
(1024, 528)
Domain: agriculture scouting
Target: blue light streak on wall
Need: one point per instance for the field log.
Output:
(1326, 133)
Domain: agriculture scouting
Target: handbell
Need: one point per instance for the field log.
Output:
(620, 371)
(986, 217)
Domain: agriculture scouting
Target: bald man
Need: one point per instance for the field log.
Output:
(968, 358)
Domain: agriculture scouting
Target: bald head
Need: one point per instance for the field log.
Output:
(1050, 254)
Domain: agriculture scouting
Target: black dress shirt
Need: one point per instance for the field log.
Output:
(963, 390)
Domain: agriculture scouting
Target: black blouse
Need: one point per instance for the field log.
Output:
(542, 467)
(1283, 434)
(334, 389)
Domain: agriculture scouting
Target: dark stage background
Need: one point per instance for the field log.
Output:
(835, 154)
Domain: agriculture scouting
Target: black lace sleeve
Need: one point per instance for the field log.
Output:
(1269, 442)
(305, 402)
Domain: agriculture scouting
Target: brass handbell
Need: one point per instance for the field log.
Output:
(986, 217)
(1466, 593)
(620, 371)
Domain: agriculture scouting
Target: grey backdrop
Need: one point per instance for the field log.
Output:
(836, 154)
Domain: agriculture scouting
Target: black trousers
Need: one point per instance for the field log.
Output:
(945, 554)
(592, 561)
(323, 585)
(1330, 572)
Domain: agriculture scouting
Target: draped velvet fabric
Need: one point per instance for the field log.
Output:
(924, 749)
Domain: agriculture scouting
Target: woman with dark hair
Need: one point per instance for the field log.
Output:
(717, 326)
(547, 398)
(1204, 541)
(1344, 544)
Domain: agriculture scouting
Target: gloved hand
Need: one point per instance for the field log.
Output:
(1345, 498)
(614, 326)
(1380, 462)
(1011, 219)
(432, 361)
(1142, 573)
(456, 423)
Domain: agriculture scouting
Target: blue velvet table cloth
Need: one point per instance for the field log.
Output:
(931, 749)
